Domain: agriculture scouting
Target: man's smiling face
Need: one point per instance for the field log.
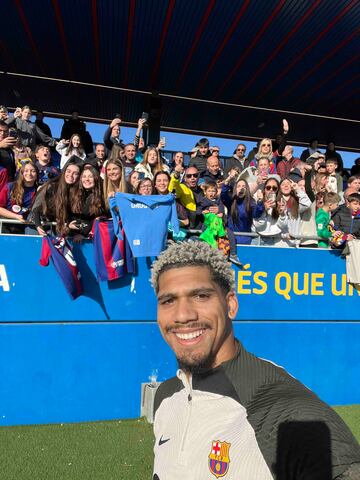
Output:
(195, 317)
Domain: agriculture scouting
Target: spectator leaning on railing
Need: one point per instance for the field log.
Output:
(129, 165)
(87, 203)
(188, 192)
(16, 198)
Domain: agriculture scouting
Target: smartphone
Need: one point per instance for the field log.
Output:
(272, 196)
(163, 140)
(145, 116)
(13, 132)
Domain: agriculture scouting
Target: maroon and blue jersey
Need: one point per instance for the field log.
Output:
(27, 200)
(59, 251)
(113, 257)
(46, 172)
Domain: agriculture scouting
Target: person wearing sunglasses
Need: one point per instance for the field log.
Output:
(264, 151)
(238, 160)
(188, 192)
(272, 226)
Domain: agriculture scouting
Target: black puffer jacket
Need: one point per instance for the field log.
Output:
(344, 221)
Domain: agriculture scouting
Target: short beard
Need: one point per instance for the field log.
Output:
(196, 365)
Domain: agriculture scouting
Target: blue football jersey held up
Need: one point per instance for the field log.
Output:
(145, 220)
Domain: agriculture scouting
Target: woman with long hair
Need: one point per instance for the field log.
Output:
(133, 181)
(114, 180)
(52, 201)
(161, 187)
(242, 208)
(297, 202)
(16, 198)
(116, 153)
(272, 226)
(87, 203)
(264, 151)
(151, 164)
(161, 183)
(68, 148)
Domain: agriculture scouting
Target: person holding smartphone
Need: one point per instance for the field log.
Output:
(242, 208)
(272, 226)
(28, 131)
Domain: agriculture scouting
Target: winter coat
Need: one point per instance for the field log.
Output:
(345, 222)
(146, 170)
(61, 148)
(29, 133)
(245, 220)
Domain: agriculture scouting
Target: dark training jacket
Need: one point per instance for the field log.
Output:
(249, 419)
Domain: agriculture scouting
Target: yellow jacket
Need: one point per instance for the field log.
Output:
(183, 193)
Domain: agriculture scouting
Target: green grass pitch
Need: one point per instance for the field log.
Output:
(91, 451)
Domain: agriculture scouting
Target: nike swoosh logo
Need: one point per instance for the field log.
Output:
(161, 441)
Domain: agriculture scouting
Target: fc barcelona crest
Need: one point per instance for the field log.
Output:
(219, 458)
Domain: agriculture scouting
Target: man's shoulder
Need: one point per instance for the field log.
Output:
(166, 390)
(254, 377)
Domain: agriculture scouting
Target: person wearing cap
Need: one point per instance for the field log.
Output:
(315, 159)
(228, 413)
(287, 163)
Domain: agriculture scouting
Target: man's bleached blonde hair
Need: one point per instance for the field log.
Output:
(194, 254)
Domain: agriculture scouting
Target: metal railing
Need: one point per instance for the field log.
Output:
(297, 238)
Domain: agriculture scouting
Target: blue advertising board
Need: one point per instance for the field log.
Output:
(275, 284)
(84, 360)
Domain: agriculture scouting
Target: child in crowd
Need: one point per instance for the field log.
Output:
(347, 217)
(335, 182)
(323, 218)
(265, 168)
(43, 163)
(211, 203)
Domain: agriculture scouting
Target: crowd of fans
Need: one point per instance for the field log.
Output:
(308, 201)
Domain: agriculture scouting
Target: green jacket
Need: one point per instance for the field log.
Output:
(322, 222)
